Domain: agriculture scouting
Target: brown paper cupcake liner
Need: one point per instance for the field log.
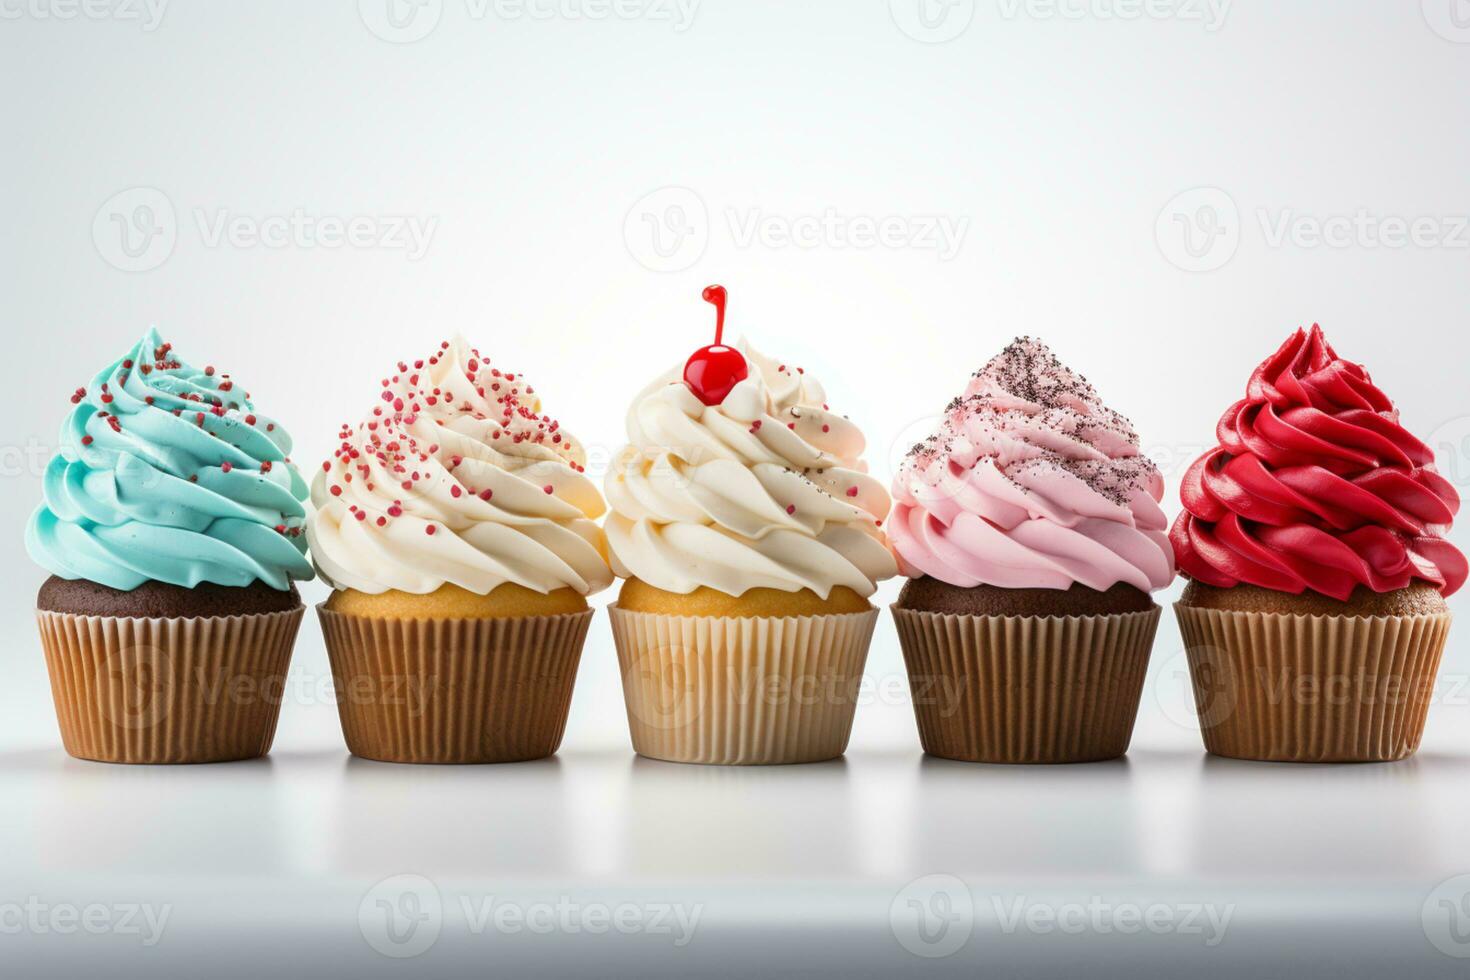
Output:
(168, 690)
(741, 690)
(1026, 689)
(454, 690)
(1289, 688)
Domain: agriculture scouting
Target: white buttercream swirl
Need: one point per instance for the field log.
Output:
(457, 478)
(765, 490)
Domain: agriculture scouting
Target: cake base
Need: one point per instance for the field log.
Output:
(1282, 678)
(933, 596)
(157, 600)
(508, 601)
(639, 597)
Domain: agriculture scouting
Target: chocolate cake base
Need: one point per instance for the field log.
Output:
(931, 595)
(1416, 600)
(156, 600)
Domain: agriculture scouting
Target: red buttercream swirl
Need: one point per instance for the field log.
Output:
(1315, 485)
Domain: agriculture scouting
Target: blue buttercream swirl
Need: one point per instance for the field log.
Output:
(167, 474)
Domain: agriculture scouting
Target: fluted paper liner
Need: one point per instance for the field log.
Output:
(1026, 689)
(741, 690)
(1292, 688)
(168, 690)
(454, 690)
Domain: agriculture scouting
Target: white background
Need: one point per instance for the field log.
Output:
(1073, 144)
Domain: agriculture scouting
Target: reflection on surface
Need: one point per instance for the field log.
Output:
(972, 819)
(89, 816)
(610, 817)
(1264, 818)
(738, 821)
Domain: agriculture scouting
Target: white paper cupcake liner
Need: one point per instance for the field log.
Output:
(741, 690)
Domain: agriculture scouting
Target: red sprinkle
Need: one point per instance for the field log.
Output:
(791, 508)
(430, 529)
(547, 488)
(852, 491)
(225, 467)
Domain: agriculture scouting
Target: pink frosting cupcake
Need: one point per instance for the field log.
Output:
(1030, 528)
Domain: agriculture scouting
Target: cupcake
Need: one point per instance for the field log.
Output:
(172, 528)
(1030, 529)
(457, 527)
(747, 529)
(1313, 538)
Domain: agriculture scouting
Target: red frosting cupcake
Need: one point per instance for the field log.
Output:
(1314, 540)
(1316, 486)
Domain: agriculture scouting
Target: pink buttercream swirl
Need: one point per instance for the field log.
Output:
(1031, 482)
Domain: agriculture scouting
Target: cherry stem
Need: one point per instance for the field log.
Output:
(717, 296)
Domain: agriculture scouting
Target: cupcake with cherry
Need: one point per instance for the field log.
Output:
(457, 526)
(747, 530)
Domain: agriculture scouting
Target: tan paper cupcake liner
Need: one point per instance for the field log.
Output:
(454, 690)
(1288, 688)
(741, 690)
(1026, 689)
(168, 690)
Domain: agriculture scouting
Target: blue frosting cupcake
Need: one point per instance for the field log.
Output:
(168, 479)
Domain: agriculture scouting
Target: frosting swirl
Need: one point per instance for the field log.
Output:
(764, 490)
(1315, 485)
(1031, 482)
(457, 478)
(166, 473)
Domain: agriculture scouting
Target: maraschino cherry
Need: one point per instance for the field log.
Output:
(713, 371)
